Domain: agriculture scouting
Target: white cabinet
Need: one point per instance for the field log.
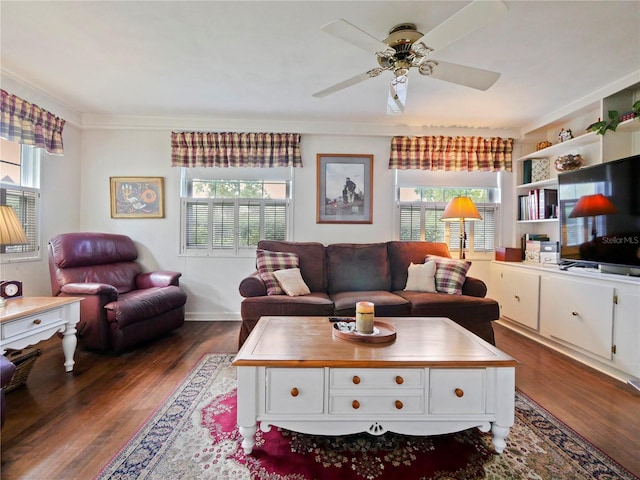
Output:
(517, 292)
(578, 312)
(591, 316)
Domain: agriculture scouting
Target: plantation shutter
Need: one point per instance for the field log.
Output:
(197, 224)
(410, 222)
(275, 221)
(483, 231)
(223, 215)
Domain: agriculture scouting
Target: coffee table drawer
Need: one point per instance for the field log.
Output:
(372, 403)
(376, 378)
(294, 390)
(457, 391)
(31, 323)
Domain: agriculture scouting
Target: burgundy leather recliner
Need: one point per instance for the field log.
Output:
(122, 306)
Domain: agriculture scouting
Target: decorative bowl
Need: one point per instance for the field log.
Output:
(566, 163)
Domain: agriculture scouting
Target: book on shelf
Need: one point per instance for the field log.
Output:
(547, 203)
(526, 171)
(538, 204)
(528, 237)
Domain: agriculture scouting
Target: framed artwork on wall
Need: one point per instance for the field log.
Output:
(345, 188)
(137, 197)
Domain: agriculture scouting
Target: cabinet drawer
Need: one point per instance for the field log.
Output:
(457, 391)
(376, 377)
(294, 390)
(30, 323)
(389, 403)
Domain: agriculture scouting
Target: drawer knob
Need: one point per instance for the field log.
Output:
(295, 392)
(37, 321)
(399, 405)
(517, 297)
(459, 392)
(575, 314)
(356, 379)
(355, 404)
(399, 380)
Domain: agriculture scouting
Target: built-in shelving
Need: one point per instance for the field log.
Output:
(594, 148)
(563, 147)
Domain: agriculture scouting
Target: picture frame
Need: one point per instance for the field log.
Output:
(137, 197)
(344, 188)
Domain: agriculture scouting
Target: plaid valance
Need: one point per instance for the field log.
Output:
(457, 154)
(28, 124)
(228, 149)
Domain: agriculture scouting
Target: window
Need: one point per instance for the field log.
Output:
(20, 188)
(229, 217)
(420, 210)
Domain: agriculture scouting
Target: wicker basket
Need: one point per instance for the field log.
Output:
(23, 360)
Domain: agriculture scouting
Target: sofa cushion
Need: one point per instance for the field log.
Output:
(268, 262)
(422, 277)
(314, 304)
(311, 260)
(386, 304)
(138, 305)
(402, 254)
(291, 282)
(450, 273)
(358, 267)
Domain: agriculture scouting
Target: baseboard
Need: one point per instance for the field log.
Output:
(212, 317)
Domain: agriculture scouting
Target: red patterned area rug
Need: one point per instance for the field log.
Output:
(193, 435)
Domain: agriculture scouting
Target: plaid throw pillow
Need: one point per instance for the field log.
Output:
(268, 262)
(450, 273)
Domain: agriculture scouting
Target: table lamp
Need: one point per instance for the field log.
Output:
(461, 208)
(11, 233)
(592, 206)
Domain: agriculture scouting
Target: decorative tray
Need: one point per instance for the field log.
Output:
(383, 332)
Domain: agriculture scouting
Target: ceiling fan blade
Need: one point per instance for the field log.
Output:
(463, 75)
(472, 17)
(397, 96)
(355, 36)
(347, 83)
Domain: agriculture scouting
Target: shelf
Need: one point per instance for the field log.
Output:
(542, 220)
(549, 182)
(562, 147)
(631, 125)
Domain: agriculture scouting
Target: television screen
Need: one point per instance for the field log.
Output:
(599, 214)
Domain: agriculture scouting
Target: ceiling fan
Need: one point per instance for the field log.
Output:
(406, 48)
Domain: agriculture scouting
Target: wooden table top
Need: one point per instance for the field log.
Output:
(23, 306)
(420, 342)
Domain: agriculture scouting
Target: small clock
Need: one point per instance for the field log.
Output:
(10, 288)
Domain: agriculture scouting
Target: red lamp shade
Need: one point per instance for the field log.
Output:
(593, 205)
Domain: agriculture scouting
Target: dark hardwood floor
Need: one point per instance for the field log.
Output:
(68, 426)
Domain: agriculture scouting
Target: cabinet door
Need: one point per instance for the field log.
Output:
(519, 296)
(578, 312)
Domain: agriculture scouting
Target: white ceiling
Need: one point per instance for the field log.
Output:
(240, 60)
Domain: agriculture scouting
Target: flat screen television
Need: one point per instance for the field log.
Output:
(599, 216)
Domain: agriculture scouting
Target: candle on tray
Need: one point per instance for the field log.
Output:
(364, 317)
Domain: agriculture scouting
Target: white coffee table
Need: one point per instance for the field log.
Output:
(435, 378)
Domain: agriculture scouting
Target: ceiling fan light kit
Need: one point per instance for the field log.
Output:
(406, 48)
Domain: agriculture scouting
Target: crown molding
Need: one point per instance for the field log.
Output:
(34, 94)
(135, 122)
(92, 121)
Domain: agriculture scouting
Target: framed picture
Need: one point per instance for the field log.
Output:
(345, 188)
(137, 197)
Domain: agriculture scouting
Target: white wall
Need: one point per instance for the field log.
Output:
(75, 197)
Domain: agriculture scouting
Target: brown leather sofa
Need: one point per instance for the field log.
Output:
(339, 275)
(122, 306)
